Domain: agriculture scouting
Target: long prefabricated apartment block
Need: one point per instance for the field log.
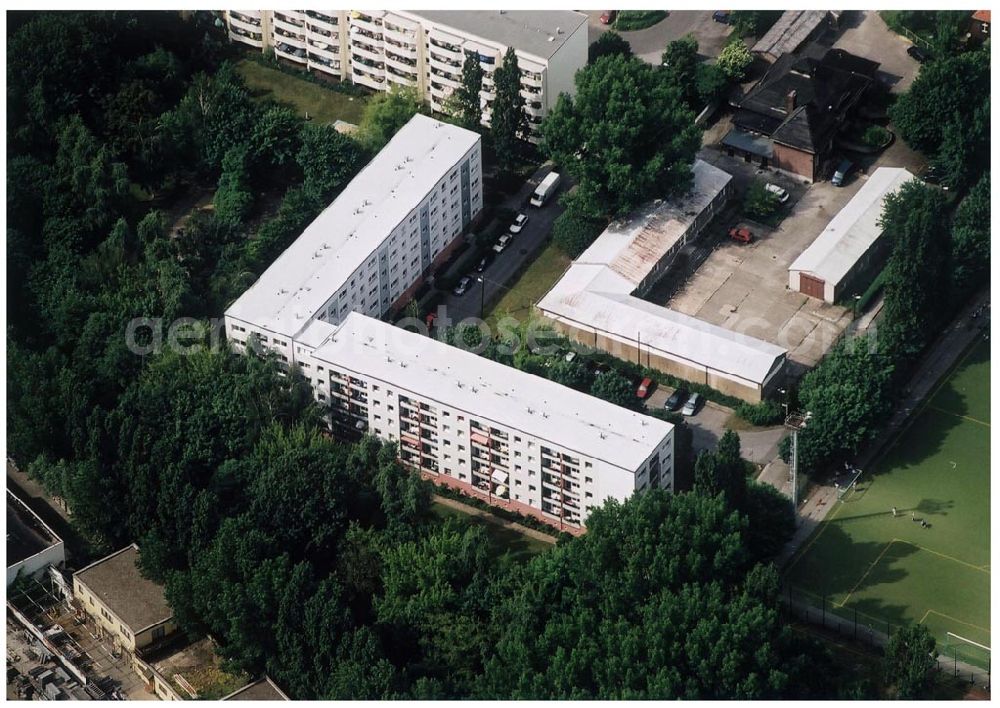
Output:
(511, 438)
(372, 247)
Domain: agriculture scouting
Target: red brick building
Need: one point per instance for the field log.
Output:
(788, 119)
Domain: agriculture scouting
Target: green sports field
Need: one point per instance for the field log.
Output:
(891, 569)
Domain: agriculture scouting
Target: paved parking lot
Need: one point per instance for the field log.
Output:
(708, 424)
(865, 33)
(523, 248)
(648, 44)
(743, 287)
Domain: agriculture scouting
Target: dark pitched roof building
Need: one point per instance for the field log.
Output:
(799, 105)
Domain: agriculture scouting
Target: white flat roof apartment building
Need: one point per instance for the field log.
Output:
(371, 248)
(511, 438)
(597, 302)
(425, 50)
(844, 257)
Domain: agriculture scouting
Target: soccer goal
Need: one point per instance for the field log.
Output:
(962, 649)
(847, 484)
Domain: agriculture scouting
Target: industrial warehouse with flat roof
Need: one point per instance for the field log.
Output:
(597, 302)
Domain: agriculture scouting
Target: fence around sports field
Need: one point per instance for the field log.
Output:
(959, 658)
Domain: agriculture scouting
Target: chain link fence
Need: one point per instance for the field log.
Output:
(958, 658)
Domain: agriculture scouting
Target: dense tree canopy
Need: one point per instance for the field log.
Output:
(626, 136)
(386, 113)
(608, 44)
(945, 90)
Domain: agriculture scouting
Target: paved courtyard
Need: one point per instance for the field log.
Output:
(865, 33)
(648, 44)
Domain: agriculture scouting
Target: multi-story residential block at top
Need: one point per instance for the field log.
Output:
(515, 440)
(425, 50)
(371, 248)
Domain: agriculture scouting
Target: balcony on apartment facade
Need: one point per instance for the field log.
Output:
(370, 24)
(286, 51)
(330, 22)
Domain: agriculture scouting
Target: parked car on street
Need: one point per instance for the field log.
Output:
(841, 173)
(691, 407)
(721, 16)
(741, 234)
(502, 243)
(676, 399)
(483, 264)
(463, 285)
(519, 221)
(780, 192)
(608, 16)
(646, 387)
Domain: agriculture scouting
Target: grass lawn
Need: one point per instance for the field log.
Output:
(322, 104)
(541, 275)
(891, 569)
(504, 539)
(632, 20)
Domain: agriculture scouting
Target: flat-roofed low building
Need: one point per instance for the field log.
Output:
(31, 545)
(513, 439)
(126, 607)
(793, 29)
(848, 253)
(598, 301)
(370, 250)
(263, 689)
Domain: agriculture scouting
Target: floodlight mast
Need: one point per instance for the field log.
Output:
(795, 422)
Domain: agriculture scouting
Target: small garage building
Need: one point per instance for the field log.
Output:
(847, 254)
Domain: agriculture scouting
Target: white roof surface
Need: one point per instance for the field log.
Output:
(632, 247)
(332, 247)
(503, 394)
(597, 289)
(853, 230)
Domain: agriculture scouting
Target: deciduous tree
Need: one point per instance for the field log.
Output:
(626, 136)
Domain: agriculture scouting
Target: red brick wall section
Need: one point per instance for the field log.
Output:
(795, 161)
(516, 506)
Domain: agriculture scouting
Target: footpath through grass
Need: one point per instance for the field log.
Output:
(891, 569)
(323, 105)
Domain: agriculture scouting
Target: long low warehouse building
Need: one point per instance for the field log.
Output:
(849, 251)
(597, 302)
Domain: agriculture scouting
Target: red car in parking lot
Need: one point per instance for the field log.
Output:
(743, 235)
(608, 16)
(645, 388)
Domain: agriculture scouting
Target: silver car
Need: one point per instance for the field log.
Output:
(691, 407)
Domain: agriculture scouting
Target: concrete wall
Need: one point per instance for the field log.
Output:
(32, 565)
(563, 65)
(654, 359)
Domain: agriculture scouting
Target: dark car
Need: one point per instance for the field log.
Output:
(934, 175)
(721, 16)
(483, 264)
(921, 55)
(676, 400)
(463, 285)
